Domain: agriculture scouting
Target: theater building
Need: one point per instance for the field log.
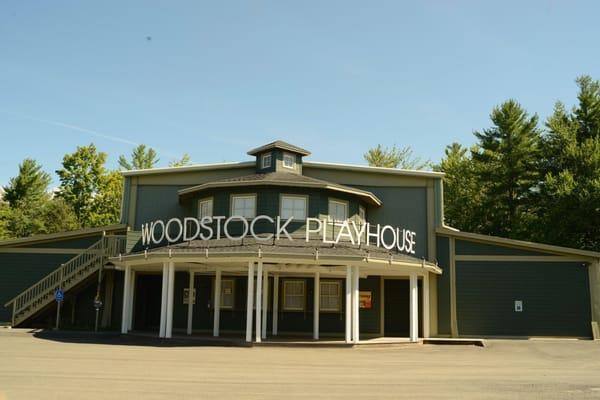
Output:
(283, 247)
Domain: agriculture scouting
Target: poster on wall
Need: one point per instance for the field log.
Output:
(186, 296)
(365, 298)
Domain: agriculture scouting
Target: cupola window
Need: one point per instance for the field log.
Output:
(289, 160)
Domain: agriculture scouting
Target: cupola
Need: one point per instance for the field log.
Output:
(279, 156)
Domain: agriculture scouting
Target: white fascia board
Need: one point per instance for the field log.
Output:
(366, 168)
(188, 168)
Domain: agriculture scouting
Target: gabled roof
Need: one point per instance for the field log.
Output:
(282, 179)
(309, 164)
(279, 144)
(62, 235)
(477, 237)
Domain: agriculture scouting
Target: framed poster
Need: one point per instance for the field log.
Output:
(366, 299)
(186, 296)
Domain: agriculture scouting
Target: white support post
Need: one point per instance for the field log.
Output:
(249, 304)
(426, 305)
(316, 299)
(259, 273)
(414, 308)
(348, 304)
(169, 329)
(191, 299)
(355, 306)
(126, 288)
(163, 300)
(130, 300)
(265, 302)
(217, 304)
(275, 303)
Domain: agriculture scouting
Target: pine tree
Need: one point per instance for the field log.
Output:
(141, 158)
(569, 197)
(507, 161)
(29, 187)
(394, 157)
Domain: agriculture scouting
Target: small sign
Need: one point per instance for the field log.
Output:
(186, 296)
(518, 305)
(366, 299)
(59, 295)
(97, 303)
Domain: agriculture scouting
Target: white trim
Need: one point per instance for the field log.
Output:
(288, 154)
(265, 303)
(345, 203)
(348, 304)
(265, 156)
(284, 196)
(414, 308)
(163, 300)
(209, 200)
(259, 273)
(332, 282)
(169, 329)
(356, 305)
(243, 196)
(366, 168)
(316, 304)
(189, 168)
(249, 301)
(275, 303)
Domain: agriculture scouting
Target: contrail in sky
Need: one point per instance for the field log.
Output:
(83, 130)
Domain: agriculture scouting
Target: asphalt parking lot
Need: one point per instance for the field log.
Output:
(36, 368)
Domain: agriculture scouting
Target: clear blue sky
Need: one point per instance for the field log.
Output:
(336, 77)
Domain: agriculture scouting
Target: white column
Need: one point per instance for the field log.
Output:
(126, 289)
(348, 304)
(414, 308)
(190, 304)
(355, 306)
(265, 302)
(130, 300)
(316, 300)
(249, 304)
(171, 282)
(163, 300)
(259, 272)
(275, 303)
(217, 304)
(426, 305)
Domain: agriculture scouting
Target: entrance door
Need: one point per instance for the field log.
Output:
(147, 302)
(396, 309)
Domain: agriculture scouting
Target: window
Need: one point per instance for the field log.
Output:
(243, 206)
(293, 206)
(227, 293)
(293, 295)
(338, 210)
(265, 161)
(289, 160)
(205, 208)
(330, 296)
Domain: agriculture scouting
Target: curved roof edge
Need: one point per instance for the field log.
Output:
(310, 164)
(317, 185)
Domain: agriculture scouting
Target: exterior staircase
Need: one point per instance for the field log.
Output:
(68, 275)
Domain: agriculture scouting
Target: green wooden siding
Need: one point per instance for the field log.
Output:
(555, 299)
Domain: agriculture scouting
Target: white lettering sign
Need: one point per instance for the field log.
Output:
(217, 227)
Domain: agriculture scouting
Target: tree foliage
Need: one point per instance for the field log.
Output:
(141, 158)
(30, 186)
(183, 161)
(394, 157)
(88, 187)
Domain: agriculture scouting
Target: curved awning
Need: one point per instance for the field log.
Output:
(282, 179)
(313, 252)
